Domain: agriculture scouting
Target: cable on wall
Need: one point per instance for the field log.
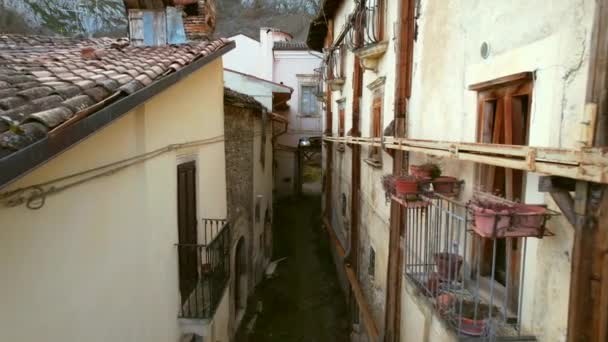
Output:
(34, 196)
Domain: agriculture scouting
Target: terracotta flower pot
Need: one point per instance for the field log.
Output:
(529, 216)
(406, 185)
(420, 171)
(487, 219)
(432, 284)
(444, 302)
(472, 327)
(448, 265)
(444, 184)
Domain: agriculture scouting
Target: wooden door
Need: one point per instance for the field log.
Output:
(187, 235)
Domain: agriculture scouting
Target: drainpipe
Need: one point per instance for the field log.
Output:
(403, 83)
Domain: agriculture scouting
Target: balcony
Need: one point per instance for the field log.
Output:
(474, 283)
(370, 47)
(334, 73)
(204, 270)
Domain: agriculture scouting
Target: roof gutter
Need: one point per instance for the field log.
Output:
(22, 162)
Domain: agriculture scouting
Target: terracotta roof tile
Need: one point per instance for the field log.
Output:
(44, 81)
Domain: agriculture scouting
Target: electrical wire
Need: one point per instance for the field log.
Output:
(34, 196)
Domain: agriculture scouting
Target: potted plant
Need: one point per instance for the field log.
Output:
(432, 284)
(491, 219)
(474, 317)
(425, 171)
(444, 302)
(448, 265)
(405, 185)
(529, 216)
(444, 184)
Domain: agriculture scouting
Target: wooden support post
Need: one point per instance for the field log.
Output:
(560, 189)
(394, 277)
(588, 306)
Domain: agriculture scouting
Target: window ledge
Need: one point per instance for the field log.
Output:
(373, 162)
(370, 54)
(336, 84)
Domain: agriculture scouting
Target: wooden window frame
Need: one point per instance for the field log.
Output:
(375, 153)
(502, 99)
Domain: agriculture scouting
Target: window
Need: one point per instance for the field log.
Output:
(341, 115)
(308, 100)
(371, 269)
(503, 118)
(375, 153)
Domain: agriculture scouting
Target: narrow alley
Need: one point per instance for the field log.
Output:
(303, 300)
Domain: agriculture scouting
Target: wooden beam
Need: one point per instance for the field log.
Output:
(566, 205)
(589, 164)
(555, 184)
(502, 81)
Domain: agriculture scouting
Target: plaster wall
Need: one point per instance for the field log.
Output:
(257, 89)
(554, 46)
(97, 262)
(294, 69)
(245, 57)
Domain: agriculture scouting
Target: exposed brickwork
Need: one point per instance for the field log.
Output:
(202, 25)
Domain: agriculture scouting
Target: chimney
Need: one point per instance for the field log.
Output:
(160, 22)
(199, 18)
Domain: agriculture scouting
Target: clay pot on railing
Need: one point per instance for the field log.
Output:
(491, 219)
(529, 216)
(503, 220)
(444, 184)
(448, 265)
(406, 185)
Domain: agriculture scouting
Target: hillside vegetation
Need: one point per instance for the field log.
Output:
(107, 17)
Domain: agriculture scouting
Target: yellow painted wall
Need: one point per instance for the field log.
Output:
(97, 262)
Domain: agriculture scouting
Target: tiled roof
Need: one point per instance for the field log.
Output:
(290, 46)
(47, 82)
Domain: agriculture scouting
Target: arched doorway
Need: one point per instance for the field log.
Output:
(240, 274)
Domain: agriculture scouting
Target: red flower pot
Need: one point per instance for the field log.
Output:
(444, 184)
(472, 327)
(529, 216)
(406, 185)
(432, 284)
(486, 220)
(420, 171)
(448, 265)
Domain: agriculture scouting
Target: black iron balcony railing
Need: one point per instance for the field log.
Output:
(204, 270)
(366, 25)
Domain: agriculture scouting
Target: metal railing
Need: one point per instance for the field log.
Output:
(370, 19)
(204, 270)
(366, 25)
(444, 259)
(335, 63)
(319, 78)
